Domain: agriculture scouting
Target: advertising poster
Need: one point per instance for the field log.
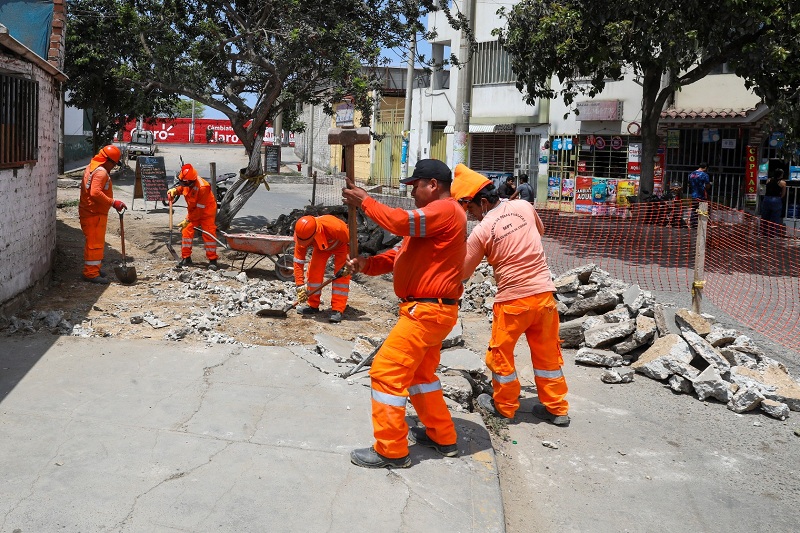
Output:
(626, 188)
(599, 196)
(553, 192)
(751, 176)
(583, 194)
(567, 194)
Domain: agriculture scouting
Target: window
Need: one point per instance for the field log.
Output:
(491, 64)
(19, 121)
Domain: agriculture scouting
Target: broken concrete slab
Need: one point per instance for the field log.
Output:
(608, 334)
(334, 348)
(707, 352)
(643, 334)
(455, 337)
(612, 376)
(745, 399)
(720, 336)
(709, 384)
(602, 302)
(462, 359)
(689, 320)
(571, 332)
(598, 357)
(775, 409)
(786, 389)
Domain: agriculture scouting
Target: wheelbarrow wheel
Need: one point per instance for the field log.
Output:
(284, 267)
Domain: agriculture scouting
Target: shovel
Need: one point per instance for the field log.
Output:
(169, 243)
(125, 274)
(283, 313)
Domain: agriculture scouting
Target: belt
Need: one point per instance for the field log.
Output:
(443, 301)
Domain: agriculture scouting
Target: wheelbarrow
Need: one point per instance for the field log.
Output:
(277, 248)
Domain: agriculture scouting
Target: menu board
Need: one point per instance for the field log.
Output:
(272, 159)
(151, 179)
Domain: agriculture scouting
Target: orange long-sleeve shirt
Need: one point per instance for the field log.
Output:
(428, 261)
(200, 200)
(97, 194)
(332, 236)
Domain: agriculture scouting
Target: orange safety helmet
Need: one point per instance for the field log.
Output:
(305, 228)
(467, 184)
(112, 153)
(187, 173)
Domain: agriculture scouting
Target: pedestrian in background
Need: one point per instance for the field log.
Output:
(426, 267)
(509, 235)
(699, 189)
(524, 190)
(201, 212)
(507, 189)
(772, 204)
(97, 197)
(327, 236)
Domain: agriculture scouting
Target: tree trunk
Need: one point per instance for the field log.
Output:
(651, 114)
(249, 177)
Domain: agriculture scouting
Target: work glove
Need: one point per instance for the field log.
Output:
(119, 205)
(173, 194)
(183, 224)
(302, 293)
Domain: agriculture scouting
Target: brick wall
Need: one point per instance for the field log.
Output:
(28, 200)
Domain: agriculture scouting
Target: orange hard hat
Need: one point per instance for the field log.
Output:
(467, 184)
(187, 173)
(305, 228)
(112, 153)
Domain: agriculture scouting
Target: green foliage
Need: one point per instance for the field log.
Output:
(98, 41)
(183, 109)
(664, 45)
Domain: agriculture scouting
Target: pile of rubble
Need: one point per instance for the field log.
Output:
(614, 324)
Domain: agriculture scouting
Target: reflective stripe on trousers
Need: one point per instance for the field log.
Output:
(405, 367)
(94, 230)
(316, 272)
(209, 244)
(535, 316)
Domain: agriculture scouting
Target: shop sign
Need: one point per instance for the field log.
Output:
(634, 168)
(581, 166)
(673, 138)
(635, 152)
(599, 143)
(345, 113)
(728, 144)
(616, 142)
(599, 110)
(751, 175)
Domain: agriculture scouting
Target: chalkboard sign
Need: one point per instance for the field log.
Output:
(272, 159)
(151, 179)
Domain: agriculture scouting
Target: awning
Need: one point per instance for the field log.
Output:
(708, 114)
(485, 128)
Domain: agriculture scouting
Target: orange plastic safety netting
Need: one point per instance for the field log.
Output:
(751, 267)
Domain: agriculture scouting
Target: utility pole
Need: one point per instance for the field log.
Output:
(191, 131)
(310, 168)
(407, 116)
(464, 92)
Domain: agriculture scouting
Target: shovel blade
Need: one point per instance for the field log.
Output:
(277, 313)
(125, 275)
(172, 252)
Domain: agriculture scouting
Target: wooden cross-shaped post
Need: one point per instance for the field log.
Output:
(348, 138)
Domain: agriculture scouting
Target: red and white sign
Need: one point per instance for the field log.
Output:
(751, 174)
(206, 131)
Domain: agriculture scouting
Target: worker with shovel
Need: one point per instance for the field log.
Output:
(202, 212)
(97, 197)
(427, 278)
(327, 236)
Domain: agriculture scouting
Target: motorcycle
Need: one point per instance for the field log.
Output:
(223, 182)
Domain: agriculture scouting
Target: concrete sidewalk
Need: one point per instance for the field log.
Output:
(150, 436)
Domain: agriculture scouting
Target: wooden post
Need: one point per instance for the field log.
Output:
(348, 138)
(700, 257)
(212, 176)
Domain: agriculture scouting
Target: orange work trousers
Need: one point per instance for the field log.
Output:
(535, 316)
(94, 230)
(405, 368)
(340, 288)
(206, 224)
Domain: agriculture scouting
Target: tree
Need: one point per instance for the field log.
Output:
(95, 48)
(665, 44)
(183, 109)
(281, 52)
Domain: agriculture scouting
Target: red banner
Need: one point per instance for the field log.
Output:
(751, 174)
(583, 194)
(206, 131)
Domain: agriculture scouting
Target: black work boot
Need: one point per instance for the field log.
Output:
(541, 412)
(419, 436)
(308, 310)
(212, 265)
(185, 262)
(369, 458)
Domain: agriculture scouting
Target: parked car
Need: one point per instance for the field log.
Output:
(142, 143)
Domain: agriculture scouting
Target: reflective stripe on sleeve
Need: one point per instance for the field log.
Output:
(423, 388)
(92, 262)
(422, 231)
(388, 399)
(551, 374)
(201, 206)
(505, 379)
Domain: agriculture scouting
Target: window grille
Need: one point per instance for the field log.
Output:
(19, 121)
(491, 64)
(492, 153)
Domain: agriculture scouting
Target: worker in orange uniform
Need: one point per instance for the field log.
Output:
(427, 278)
(97, 197)
(509, 235)
(202, 212)
(327, 236)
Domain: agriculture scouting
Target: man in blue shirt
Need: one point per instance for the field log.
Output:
(699, 187)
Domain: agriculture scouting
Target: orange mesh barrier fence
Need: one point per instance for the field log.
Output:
(752, 267)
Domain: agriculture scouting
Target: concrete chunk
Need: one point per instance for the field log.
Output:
(612, 376)
(567, 283)
(786, 389)
(720, 336)
(709, 384)
(707, 352)
(571, 332)
(333, 348)
(692, 321)
(462, 359)
(680, 384)
(602, 302)
(775, 409)
(745, 399)
(608, 334)
(596, 357)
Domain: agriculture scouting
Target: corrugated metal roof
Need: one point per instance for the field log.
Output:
(706, 113)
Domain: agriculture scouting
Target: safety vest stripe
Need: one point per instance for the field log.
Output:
(504, 379)
(92, 262)
(551, 374)
(412, 226)
(423, 388)
(422, 231)
(388, 399)
(203, 206)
